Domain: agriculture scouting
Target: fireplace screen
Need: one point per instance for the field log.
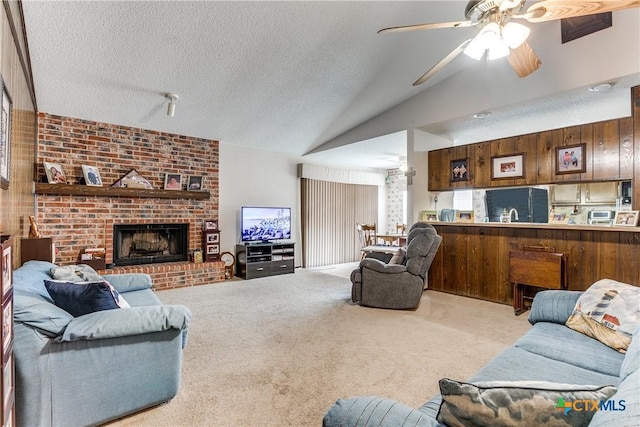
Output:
(149, 243)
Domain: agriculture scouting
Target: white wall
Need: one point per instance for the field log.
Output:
(250, 177)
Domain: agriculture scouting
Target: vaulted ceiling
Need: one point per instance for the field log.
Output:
(302, 76)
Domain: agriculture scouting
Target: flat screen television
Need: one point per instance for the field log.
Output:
(265, 224)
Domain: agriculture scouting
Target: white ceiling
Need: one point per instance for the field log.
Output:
(278, 76)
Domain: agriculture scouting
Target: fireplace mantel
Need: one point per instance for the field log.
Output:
(87, 190)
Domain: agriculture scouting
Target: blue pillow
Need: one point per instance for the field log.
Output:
(80, 299)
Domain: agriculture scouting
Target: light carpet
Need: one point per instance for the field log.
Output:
(279, 351)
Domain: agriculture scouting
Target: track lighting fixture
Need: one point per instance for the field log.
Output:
(171, 108)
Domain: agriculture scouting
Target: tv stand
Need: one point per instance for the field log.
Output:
(264, 259)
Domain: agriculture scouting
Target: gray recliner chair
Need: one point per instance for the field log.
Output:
(399, 284)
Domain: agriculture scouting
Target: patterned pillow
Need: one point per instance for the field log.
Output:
(509, 403)
(76, 273)
(609, 312)
(79, 298)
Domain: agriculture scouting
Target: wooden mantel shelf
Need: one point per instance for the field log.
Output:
(89, 191)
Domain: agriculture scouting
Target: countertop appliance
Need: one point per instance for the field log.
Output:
(600, 217)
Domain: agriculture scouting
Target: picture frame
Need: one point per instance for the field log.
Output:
(132, 179)
(55, 173)
(6, 121)
(7, 327)
(91, 176)
(570, 159)
(210, 224)
(172, 181)
(459, 170)
(213, 249)
(429, 216)
(213, 238)
(508, 167)
(465, 216)
(194, 182)
(626, 218)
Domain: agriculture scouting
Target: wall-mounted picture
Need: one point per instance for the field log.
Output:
(464, 216)
(213, 249)
(507, 167)
(55, 174)
(132, 179)
(626, 218)
(173, 181)
(7, 326)
(459, 170)
(210, 224)
(5, 138)
(91, 176)
(194, 183)
(213, 238)
(570, 159)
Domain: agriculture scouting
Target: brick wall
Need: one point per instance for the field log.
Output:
(78, 222)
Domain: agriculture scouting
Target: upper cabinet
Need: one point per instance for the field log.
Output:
(603, 193)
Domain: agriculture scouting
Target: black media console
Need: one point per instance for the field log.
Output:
(264, 259)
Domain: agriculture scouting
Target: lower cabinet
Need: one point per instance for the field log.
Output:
(264, 259)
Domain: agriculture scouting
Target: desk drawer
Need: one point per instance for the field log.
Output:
(258, 269)
(282, 267)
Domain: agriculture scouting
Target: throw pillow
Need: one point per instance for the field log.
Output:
(76, 273)
(80, 299)
(527, 403)
(609, 312)
(399, 257)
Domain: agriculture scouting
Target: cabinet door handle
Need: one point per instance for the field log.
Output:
(260, 269)
(588, 195)
(283, 266)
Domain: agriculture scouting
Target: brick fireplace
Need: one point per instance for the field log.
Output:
(77, 222)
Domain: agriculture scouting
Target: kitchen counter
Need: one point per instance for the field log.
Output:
(543, 226)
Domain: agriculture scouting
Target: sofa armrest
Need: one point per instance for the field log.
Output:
(125, 322)
(129, 282)
(380, 267)
(373, 411)
(553, 306)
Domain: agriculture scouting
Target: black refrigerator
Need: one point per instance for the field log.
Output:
(532, 204)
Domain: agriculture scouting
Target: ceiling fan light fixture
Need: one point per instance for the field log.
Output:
(515, 34)
(475, 49)
(499, 49)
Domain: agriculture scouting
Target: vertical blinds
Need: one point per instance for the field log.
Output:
(330, 211)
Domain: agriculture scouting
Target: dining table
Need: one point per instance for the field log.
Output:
(393, 239)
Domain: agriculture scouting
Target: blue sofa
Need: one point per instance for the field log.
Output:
(90, 369)
(549, 351)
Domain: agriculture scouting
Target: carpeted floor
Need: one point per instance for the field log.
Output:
(279, 351)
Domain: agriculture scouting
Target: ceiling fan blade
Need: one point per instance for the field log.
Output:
(524, 60)
(428, 26)
(550, 10)
(450, 57)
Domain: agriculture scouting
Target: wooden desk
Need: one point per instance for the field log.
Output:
(536, 268)
(390, 239)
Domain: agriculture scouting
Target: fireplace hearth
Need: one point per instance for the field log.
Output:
(135, 244)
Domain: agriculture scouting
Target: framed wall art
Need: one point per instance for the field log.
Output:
(132, 179)
(459, 170)
(465, 216)
(210, 224)
(570, 159)
(5, 138)
(507, 167)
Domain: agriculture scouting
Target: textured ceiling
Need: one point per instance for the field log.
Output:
(279, 76)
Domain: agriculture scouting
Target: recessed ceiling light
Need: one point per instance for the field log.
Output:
(601, 87)
(482, 115)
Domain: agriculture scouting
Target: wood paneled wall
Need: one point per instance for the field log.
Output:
(17, 202)
(612, 153)
(473, 261)
(330, 211)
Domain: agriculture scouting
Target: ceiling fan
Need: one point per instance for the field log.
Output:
(500, 37)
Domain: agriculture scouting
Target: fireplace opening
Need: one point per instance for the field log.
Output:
(135, 244)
